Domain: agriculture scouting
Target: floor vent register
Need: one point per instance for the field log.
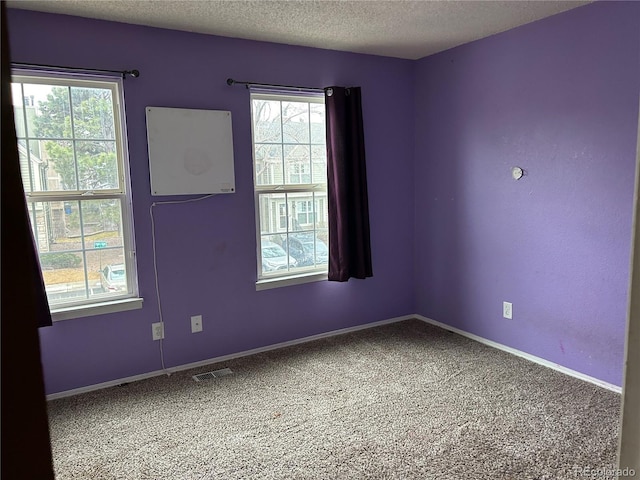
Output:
(211, 375)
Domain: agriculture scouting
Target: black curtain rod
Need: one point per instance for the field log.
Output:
(231, 81)
(124, 73)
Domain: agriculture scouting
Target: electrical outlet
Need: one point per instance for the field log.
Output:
(157, 330)
(196, 323)
(507, 310)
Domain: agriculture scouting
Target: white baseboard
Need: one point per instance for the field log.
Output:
(527, 356)
(223, 358)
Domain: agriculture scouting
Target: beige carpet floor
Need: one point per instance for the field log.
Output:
(400, 401)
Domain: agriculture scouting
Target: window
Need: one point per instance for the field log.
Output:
(299, 172)
(75, 176)
(290, 179)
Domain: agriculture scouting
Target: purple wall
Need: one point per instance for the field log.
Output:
(206, 250)
(559, 98)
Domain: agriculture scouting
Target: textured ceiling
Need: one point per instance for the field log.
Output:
(395, 28)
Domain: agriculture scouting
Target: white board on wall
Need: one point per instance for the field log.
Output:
(190, 151)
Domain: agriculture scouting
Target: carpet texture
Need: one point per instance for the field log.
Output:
(400, 401)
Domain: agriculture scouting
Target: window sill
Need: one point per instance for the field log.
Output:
(267, 283)
(69, 313)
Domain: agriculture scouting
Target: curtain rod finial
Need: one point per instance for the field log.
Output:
(134, 73)
(230, 81)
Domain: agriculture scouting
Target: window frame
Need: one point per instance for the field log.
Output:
(311, 274)
(91, 305)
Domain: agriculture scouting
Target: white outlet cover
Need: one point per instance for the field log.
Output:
(507, 310)
(196, 323)
(157, 331)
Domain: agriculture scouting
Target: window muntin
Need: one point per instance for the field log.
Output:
(290, 176)
(73, 165)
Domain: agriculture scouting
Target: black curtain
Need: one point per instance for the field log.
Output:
(349, 243)
(16, 228)
(26, 452)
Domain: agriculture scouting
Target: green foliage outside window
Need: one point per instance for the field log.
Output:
(59, 260)
(92, 127)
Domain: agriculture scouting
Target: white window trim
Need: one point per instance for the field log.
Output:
(80, 311)
(131, 300)
(270, 281)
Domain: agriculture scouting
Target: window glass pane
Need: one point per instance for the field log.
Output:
(24, 165)
(295, 122)
(297, 160)
(282, 215)
(268, 164)
(92, 113)
(321, 210)
(319, 164)
(57, 226)
(32, 222)
(318, 128)
(53, 162)
(273, 213)
(97, 165)
(49, 116)
(102, 223)
(274, 255)
(18, 109)
(65, 246)
(64, 276)
(322, 247)
(307, 249)
(267, 126)
(301, 211)
(275, 258)
(52, 165)
(107, 272)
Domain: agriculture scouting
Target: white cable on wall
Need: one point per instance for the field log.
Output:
(155, 266)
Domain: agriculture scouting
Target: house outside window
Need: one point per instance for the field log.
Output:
(75, 175)
(290, 185)
(305, 212)
(299, 172)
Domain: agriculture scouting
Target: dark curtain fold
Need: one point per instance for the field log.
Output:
(26, 452)
(15, 215)
(349, 243)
